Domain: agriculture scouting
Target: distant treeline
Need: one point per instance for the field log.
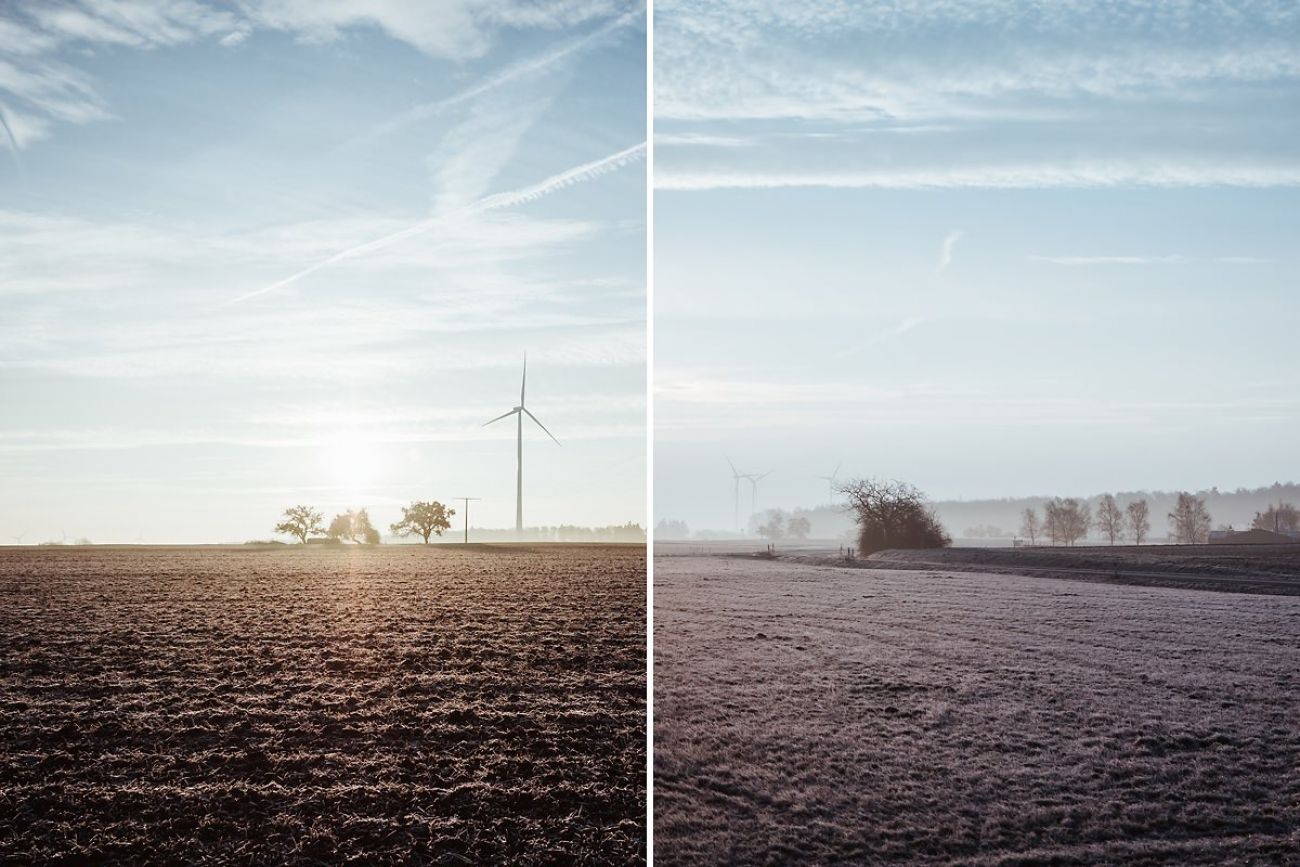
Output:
(1002, 518)
(629, 532)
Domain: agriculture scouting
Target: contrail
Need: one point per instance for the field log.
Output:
(13, 142)
(945, 254)
(528, 66)
(497, 201)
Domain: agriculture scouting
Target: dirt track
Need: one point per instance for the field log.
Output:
(400, 705)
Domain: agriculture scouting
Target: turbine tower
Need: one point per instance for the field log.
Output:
(736, 476)
(830, 482)
(753, 490)
(521, 411)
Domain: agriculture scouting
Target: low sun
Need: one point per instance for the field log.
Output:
(350, 462)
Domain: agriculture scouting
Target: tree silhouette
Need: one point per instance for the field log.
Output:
(1110, 518)
(424, 520)
(892, 515)
(1190, 520)
(1139, 520)
(1030, 525)
(301, 522)
(354, 526)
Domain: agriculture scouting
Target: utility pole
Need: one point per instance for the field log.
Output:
(466, 501)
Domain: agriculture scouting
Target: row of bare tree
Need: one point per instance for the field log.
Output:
(423, 519)
(1067, 521)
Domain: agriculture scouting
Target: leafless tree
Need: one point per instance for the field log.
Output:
(892, 514)
(301, 522)
(1190, 520)
(1067, 521)
(798, 528)
(772, 525)
(1282, 518)
(1110, 518)
(1030, 525)
(1139, 520)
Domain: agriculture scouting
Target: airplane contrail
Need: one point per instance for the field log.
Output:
(13, 141)
(528, 66)
(496, 201)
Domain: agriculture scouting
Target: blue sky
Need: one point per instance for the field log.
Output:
(992, 248)
(262, 253)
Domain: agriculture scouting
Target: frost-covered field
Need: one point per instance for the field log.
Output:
(396, 705)
(830, 715)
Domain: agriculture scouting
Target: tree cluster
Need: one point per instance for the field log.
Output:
(1067, 521)
(775, 525)
(420, 518)
(1282, 518)
(892, 514)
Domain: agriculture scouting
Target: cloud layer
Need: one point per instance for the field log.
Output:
(978, 93)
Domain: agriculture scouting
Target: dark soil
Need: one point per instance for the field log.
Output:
(400, 705)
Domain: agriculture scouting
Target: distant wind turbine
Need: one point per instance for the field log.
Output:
(521, 411)
(830, 482)
(18, 540)
(736, 476)
(753, 490)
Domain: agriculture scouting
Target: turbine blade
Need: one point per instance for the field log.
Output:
(542, 426)
(523, 382)
(498, 418)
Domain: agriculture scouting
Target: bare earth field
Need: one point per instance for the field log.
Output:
(816, 714)
(395, 705)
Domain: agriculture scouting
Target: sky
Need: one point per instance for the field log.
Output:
(272, 252)
(991, 248)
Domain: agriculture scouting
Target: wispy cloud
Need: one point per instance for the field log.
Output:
(945, 251)
(993, 93)
(1084, 261)
(578, 174)
(531, 67)
(41, 41)
(1025, 176)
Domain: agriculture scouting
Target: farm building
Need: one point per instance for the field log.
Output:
(1251, 537)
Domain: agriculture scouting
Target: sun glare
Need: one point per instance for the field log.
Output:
(350, 462)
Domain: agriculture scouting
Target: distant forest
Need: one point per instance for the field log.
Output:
(973, 520)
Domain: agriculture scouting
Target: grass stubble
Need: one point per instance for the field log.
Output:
(812, 714)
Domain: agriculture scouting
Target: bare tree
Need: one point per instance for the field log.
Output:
(424, 519)
(353, 526)
(1110, 518)
(1190, 520)
(1030, 525)
(1067, 521)
(301, 522)
(772, 525)
(1139, 520)
(892, 515)
(799, 527)
(1282, 518)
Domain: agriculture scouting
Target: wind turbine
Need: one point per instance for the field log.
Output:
(830, 482)
(753, 490)
(521, 411)
(736, 476)
(18, 540)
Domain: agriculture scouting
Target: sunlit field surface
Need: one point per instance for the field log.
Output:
(811, 714)
(397, 705)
